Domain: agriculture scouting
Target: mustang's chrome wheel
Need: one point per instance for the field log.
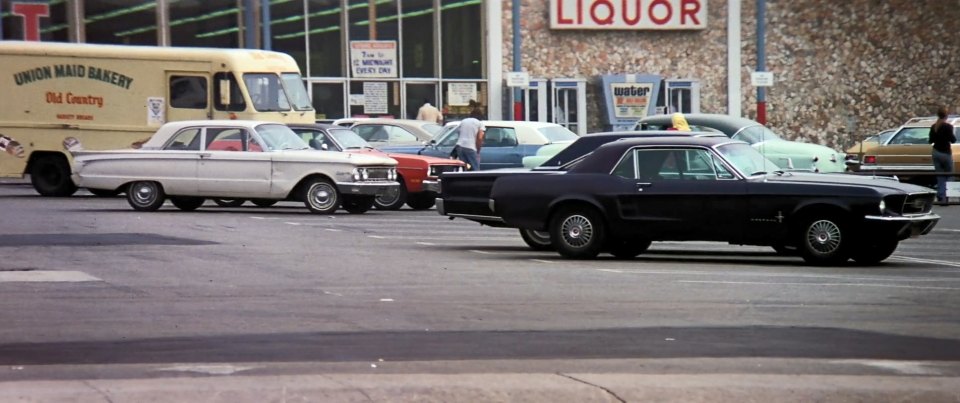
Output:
(321, 196)
(145, 196)
(577, 231)
(824, 236)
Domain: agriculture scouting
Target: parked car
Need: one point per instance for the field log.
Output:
(628, 193)
(466, 194)
(789, 154)
(417, 174)
(393, 132)
(907, 153)
(190, 161)
(505, 143)
(856, 152)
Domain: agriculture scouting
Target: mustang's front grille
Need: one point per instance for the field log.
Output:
(918, 203)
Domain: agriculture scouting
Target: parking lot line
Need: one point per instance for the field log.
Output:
(912, 287)
(928, 261)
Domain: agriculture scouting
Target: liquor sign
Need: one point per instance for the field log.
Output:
(373, 59)
(628, 14)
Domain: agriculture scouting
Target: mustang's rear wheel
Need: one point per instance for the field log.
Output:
(145, 196)
(627, 248)
(392, 199)
(421, 200)
(229, 202)
(825, 240)
(357, 204)
(536, 240)
(263, 202)
(320, 196)
(187, 203)
(871, 253)
(577, 232)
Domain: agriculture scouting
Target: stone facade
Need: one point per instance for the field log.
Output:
(843, 69)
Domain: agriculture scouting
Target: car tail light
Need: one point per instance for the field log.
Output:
(870, 159)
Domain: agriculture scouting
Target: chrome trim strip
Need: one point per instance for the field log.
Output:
(913, 218)
(477, 217)
(896, 167)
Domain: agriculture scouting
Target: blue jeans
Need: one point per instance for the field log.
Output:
(942, 162)
(470, 157)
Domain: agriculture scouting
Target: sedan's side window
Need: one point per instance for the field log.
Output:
(187, 139)
(451, 139)
(230, 139)
(396, 134)
(500, 137)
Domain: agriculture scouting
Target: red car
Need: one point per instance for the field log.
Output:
(418, 174)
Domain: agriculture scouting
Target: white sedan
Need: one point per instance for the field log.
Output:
(189, 161)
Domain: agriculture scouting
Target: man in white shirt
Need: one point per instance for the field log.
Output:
(429, 113)
(469, 142)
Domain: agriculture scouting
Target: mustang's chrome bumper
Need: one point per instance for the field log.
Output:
(431, 185)
(366, 188)
(909, 226)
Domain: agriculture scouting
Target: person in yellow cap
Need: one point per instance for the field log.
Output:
(680, 123)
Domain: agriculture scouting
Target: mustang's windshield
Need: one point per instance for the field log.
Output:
(747, 160)
(756, 134)
(348, 138)
(280, 137)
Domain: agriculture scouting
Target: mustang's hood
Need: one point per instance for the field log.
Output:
(846, 179)
(333, 156)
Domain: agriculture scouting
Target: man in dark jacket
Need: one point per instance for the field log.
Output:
(942, 137)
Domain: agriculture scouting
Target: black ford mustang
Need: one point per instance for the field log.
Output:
(628, 193)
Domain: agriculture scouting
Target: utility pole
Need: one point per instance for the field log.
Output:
(761, 60)
(517, 113)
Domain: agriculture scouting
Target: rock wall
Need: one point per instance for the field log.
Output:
(843, 69)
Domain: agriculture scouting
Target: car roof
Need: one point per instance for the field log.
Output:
(591, 141)
(613, 150)
(929, 121)
(725, 123)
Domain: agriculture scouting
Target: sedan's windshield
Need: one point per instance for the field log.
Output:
(747, 160)
(756, 134)
(293, 84)
(432, 128)
(557, 133)
(348, 138)
(280, 137)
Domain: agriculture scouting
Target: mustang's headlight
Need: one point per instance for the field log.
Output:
(883, 206)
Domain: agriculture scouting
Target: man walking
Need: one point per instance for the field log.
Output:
(429, 113)
(470, 142)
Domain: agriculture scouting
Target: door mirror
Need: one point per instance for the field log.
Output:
(224, 92)
(324, 146)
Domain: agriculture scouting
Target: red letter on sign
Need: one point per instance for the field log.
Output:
(691, 8)
(31, 13)
(653, 15)
(626, 13)
(593, 12)
(560, 19)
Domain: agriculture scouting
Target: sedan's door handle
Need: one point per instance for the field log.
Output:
(205, 155)
(642, 185)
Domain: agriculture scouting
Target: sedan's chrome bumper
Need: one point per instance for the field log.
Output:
(431, 185)
(366, 188)
(906, 226)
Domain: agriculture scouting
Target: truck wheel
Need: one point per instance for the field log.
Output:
(145, 196)
(320, 196)
(627, 248)
(263, 202)
(577, 232)
(871, 253)
(229, 202)
(358, 204)
(536, 240)
(187, 203)
(50, 176)
(825, 240)
(421, 201)
(392, 199)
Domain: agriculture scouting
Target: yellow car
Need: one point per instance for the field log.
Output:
(855, 152)
(908, 153)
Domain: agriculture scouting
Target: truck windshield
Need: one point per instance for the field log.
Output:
(266, 92)
(298, 94)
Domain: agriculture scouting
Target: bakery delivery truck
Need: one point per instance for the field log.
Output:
(54, 96)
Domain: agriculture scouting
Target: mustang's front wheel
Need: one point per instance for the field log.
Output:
(145, 196)
(873, 252)
(577, 232)
(825, 240)
(536, 240)
(320, 196)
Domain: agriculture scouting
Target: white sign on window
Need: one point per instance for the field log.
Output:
(373, 59)
(374, 98)
(460, 94)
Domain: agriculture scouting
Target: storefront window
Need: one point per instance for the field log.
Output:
(380, 99)
(382, 28)
(457, 97)
(135, 23)
(287, 31)
(328, 100)
(462, 39)
(326, 42)
(206, 23)
(418, 39)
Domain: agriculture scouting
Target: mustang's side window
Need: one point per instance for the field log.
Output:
(626, 168)
(187, 139)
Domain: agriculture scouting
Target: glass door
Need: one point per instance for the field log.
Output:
(416, 94)
(329, 99)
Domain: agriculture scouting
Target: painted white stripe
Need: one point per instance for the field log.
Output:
(42, 276)
(426, 243)
(386, 299)
(823, 284)
(482, 252)
(210, 369)
(928, 261)
(946, 230)
(375, 236)
(784, 275)
(292, 223)
(443, 238)
(903, 367)
(264, 218)
(331, 229)
(542, 261)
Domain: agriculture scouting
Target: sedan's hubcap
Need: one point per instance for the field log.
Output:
(577, 230)
(824, 236)
(323, 197)
(144, 193)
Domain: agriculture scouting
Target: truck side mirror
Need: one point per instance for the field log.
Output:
(225, 92)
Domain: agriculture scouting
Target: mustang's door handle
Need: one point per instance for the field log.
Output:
(205, 155)
(641, 185)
